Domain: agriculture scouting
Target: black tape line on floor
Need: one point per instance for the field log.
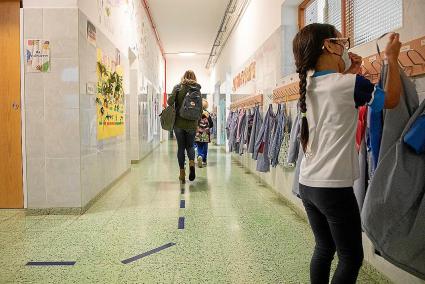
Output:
(181, 223)
(148, 253)
(51, 263)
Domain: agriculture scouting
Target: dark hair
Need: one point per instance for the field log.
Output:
(307, 48)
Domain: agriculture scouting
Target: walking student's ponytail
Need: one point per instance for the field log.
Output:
(307, 48)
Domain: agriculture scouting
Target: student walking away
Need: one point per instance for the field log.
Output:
(203, 135)
(188, 100)
(330, 93)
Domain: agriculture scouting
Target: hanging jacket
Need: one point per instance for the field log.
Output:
(361, 126)
(277, 136)
(256, 125)
(233, 130)
(295, 153)
(360, 185)
(228, 124)
(296, 183)
(294, 142)
(262, 143)
(248, 126)
(284, 148)
(393, 214)
(244, 132)
(241, 120)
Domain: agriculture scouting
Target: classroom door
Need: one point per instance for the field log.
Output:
(11, 194)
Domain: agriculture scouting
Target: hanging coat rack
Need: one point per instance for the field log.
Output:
(411, 60)
(249, 102)
(286, 93)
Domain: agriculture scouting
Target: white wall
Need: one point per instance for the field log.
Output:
(127, 29)
(177, 65)
(259, 22)
(49, 3)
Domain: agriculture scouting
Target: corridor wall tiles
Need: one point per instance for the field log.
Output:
(52, 115)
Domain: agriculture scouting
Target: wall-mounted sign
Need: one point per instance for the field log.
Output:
(91, 33)
(37, 55)
(244, 77)
(91, 88)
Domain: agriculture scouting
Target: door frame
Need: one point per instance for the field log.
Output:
(23, 109)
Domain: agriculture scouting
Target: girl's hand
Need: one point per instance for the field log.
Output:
(356, 63)
(392, 51)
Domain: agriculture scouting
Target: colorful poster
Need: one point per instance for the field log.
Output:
(110, 98)
(38, 55)
(91, 33)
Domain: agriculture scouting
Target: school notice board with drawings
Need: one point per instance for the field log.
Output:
(110, 98)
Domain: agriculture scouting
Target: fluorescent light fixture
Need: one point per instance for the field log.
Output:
(187, 54)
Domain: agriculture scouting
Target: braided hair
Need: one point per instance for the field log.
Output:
(307, 48)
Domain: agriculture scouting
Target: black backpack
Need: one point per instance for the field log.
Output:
(191, 108)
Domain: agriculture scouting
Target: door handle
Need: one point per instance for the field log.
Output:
(15, 106)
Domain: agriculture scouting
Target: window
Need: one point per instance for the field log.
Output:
(324, 11)
(361, 20)
(370, 19)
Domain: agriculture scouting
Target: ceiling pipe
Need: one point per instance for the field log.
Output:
(232, 15)
(158, 40)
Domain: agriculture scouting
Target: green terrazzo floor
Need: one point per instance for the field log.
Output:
(236, 231)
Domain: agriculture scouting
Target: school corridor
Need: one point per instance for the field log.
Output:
(303, 119)
(226, 227)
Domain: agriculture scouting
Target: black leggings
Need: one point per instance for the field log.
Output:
(185, 142)
(334, 217)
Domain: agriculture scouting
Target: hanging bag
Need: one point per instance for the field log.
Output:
(168, 117)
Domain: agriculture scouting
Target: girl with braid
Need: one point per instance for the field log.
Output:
(330, 92)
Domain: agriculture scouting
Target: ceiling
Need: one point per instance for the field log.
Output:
(187, 25)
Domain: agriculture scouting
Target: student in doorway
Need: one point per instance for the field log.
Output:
(330, 92)
(203, 135)
(185, 130)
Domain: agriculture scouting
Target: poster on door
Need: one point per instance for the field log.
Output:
(110, 98)
(37, 57)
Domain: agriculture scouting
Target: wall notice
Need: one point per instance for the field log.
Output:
(37, 56)
(91, 33)
(110, 98)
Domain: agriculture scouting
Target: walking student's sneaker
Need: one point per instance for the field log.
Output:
(204, 164)
(192, 174)
(200, 163)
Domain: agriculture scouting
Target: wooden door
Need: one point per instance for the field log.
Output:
(11, 194)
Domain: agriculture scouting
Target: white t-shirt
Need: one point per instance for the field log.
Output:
(332, 99)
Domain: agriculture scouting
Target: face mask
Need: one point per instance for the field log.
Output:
(346, 58)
